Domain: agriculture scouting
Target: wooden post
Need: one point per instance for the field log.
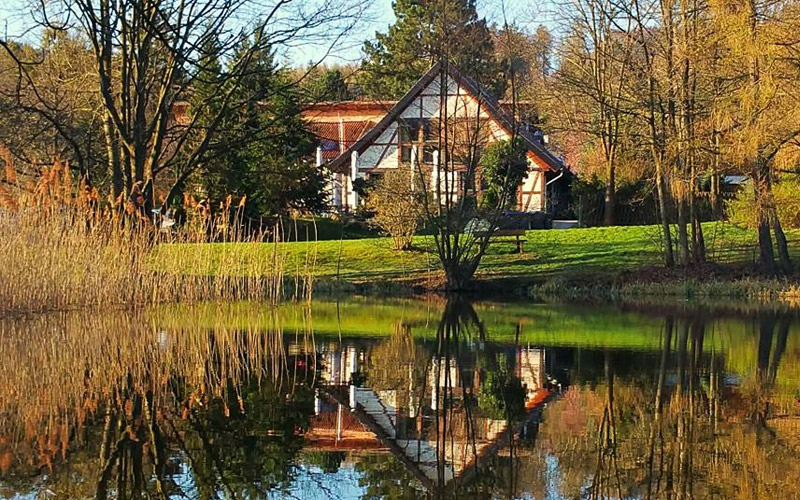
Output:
(352, 200)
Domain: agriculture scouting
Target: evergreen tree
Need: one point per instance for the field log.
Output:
(327, 85)
(264, 150)
(426, 30)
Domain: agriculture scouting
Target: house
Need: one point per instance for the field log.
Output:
(360, 140)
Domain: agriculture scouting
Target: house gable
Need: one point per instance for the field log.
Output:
(378, 147)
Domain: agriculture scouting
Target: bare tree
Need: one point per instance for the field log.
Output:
(462, 223)
(50, 109)
(148, 55)
(595, 68)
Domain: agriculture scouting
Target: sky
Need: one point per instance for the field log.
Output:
(527, 14)
(15, 20)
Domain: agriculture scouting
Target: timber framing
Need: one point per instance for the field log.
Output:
(536, 151)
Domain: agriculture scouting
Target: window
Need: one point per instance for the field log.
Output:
(427, 153)
(405, 153)
(406, 140)
(412, 130)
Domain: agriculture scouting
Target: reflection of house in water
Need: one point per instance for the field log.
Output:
(531, 371)
(427, 425)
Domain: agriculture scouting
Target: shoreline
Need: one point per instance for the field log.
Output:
(683, 283)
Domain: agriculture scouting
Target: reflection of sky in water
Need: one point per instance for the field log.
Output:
(312, 482)
(309, 483)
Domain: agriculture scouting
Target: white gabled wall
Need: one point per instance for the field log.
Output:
(532, 192)
(384, 153)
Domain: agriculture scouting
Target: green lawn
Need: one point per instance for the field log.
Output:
(566, 253)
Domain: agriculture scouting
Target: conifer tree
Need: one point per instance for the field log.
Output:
(263, 149)
(425, 31)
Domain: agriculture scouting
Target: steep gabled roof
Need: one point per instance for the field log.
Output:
(490, 104)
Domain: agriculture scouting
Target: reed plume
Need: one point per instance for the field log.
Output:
(65, 247)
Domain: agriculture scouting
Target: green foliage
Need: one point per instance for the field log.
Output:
(741, 209)
(424, 32)
(503, 168)
(501, 394)
(326, 228)
(329, 85)
(635, 201)
(263, 149)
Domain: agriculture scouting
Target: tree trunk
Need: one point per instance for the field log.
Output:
(683, 233)
(780, 240)
(716, 199)
(762, 193)
(459, 276)
(698, 239)
(610, 198)
(698, 242)
(112, 150)
(663, 208)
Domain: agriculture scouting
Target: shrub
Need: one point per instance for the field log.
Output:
(503, 168)
(741, 208)
(396, 206)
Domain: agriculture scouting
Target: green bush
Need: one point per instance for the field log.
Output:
(503, 168)
(741, 208)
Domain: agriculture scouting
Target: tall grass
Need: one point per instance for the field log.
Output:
(64, 247)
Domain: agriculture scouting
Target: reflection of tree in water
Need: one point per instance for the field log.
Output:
(241, 442)
(197, 413)
(680, 432)
(460, 393)
(400, 363)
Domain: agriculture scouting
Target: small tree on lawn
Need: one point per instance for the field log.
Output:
(396, 201)
(461, 225)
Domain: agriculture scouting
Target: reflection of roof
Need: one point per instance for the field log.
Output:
(434, 464)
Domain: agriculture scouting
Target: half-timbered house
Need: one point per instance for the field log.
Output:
(362, 139)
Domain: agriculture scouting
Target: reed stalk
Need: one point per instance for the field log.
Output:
(65, 248)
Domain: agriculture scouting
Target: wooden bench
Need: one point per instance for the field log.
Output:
(518, 236)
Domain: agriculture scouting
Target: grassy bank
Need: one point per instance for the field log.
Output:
(616, 260)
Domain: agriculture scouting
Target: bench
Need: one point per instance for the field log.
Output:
(518, 236)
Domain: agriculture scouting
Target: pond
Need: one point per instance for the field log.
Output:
(402, 399)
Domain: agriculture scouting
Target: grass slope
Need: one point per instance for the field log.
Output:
(561, 254)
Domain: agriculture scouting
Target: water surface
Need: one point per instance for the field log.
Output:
(402, 399)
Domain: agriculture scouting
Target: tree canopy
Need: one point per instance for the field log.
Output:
(424, 32)
(264, 150)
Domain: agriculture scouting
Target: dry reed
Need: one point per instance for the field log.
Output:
(64, 247)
